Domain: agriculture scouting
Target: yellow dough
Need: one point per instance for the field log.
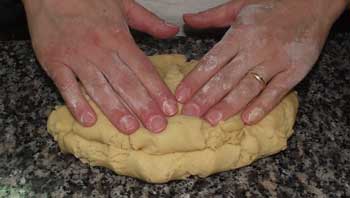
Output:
(188, 146)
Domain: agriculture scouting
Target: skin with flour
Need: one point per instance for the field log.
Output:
(88, 43)
(278, 40)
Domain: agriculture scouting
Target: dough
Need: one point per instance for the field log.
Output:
(188, 146)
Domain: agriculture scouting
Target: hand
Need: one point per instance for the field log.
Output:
(270, 47)
(89, 40)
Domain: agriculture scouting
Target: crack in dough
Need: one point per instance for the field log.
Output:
(188, 146)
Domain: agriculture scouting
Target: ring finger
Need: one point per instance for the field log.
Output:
(216, 88)
(247, 89)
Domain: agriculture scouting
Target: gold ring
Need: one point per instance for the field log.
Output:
(258, 78)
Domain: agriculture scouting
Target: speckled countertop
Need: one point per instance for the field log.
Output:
(316, 163)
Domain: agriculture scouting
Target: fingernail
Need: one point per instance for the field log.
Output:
(156, 123)
(214, 117)
(129, 124)
(191, 110)
(169, 107)
(183, 93)
(87, 118)
(255, 115)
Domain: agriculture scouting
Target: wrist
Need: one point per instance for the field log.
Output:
(326, 11)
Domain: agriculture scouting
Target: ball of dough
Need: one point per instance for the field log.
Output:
(188, 146)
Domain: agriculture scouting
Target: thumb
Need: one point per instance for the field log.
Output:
(143, 20)
(217, 17)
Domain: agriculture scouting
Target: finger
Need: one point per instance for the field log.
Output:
(209, 65)
(144, 70)
(217, 17)
(143, 20)
(238, 98)
(247, 89)
(134, 94)
(269, 98)
(69, 88)
(215, 89)
(103, 95)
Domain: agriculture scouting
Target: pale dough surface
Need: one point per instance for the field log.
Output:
(188, 146)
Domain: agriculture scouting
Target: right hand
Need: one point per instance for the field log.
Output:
(89, 40)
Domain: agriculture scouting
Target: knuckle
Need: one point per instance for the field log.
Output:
(65, 86)
(96, 83)
(274, 93)
(229, 107)
(56, 51)
(278, 88)
(202, 101)
(210, 61)
(147, 110)
(230, 101)
(58, 75)
(251, 84)
(119, 33)
(53, 60)
(292, 79)
(118, 111)
(47, 50)
(75, 105)
(230, 35)
(95, 37)
(102, 36)
(54, 72)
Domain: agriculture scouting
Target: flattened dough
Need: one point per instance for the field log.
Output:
(188, 146)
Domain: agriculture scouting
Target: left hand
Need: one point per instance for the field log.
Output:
(269, 48)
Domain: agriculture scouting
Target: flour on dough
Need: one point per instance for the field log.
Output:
(188, 146)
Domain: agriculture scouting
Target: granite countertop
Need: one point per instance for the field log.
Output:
(316, 163)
